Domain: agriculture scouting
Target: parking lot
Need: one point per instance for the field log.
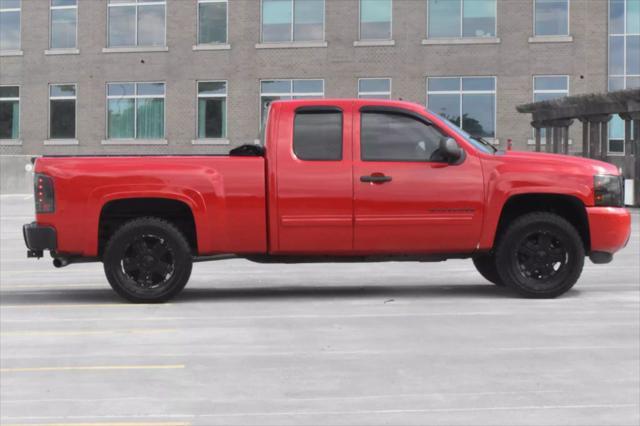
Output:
(386, 343)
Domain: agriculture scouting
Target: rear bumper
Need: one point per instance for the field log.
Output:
(39, 238)
(609, 227)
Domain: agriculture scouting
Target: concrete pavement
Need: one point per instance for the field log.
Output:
(388, 343)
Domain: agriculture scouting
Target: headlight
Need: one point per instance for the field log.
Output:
(608, 190)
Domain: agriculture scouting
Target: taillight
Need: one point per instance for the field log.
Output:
(43, 193)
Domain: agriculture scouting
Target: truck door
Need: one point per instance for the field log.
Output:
(314, 179)
(405, 199)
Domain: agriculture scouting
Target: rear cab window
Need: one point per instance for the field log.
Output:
(317, 134)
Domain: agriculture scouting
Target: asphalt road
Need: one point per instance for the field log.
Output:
(388, 343)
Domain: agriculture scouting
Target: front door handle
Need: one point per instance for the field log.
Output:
(375, 178)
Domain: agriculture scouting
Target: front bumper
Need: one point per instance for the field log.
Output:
(609, 228)
(39, 238)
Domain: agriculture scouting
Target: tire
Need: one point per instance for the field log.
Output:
(147, 260)
(486, 266)
(540, 255)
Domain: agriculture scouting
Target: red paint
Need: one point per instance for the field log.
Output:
(282, 205)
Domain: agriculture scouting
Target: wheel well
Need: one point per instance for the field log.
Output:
(115, 213)
(566, 206)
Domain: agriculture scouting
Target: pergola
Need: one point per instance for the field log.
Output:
(594, 111)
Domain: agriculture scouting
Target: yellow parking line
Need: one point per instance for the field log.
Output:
(93, 368)
(31, 333)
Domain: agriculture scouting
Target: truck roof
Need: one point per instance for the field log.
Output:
(356, 101)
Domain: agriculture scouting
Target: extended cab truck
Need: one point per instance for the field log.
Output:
(333, 180)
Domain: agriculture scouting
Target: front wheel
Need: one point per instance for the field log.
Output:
(147, 260)
(540, 255)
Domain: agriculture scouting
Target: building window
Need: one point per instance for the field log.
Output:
(212, 109)
(136, 23)
(461, 18)
(624, 59)
(548, 87)
(274, 90)
(375, 19)
(212, 21)
(9, 24)
(64, 22)
(317, 135)
(468, 102)
(135, 110)
(551, 17)
(374, 88)
(62, 111)
(9, 112)
(292, 20)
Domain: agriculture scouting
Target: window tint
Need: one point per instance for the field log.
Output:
(62, 111)
(397, 137)
(552, 17)
(317, 135)
(10, 24)
(212, 21)
(461, 18)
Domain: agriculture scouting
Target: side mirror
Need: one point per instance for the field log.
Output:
(450, 149)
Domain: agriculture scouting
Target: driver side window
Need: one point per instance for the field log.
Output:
(388, 136)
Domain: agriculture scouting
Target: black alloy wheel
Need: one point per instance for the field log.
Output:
(147, 260)
(540, 255)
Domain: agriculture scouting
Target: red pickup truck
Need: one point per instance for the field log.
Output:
(333, 180)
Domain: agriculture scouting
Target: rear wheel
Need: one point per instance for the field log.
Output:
(147, 260)
(486, 266)
(540, 255)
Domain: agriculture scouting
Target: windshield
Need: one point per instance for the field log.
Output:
(477, 142)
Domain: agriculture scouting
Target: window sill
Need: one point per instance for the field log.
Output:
(11, 53)
(212, 47)
(10, 142)
(220, 141)
(135, 49)
(291, 45)
(61, 142)
(463, 40)
(62, 52)
(133, 142)
(374, 43)
(551, 39)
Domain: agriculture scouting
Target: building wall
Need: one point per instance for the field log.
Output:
(514, 61)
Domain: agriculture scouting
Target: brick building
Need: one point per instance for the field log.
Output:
(192, 76)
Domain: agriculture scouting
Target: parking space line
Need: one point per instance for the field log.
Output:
(83, 305)
(93, 368)
(104, 424)
(386, 397)
(352, 412)
(38, 333)
(50, 286)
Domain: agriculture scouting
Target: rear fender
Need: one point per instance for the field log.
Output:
(99, 197)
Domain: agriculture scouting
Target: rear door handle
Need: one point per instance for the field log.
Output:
(375, 178)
